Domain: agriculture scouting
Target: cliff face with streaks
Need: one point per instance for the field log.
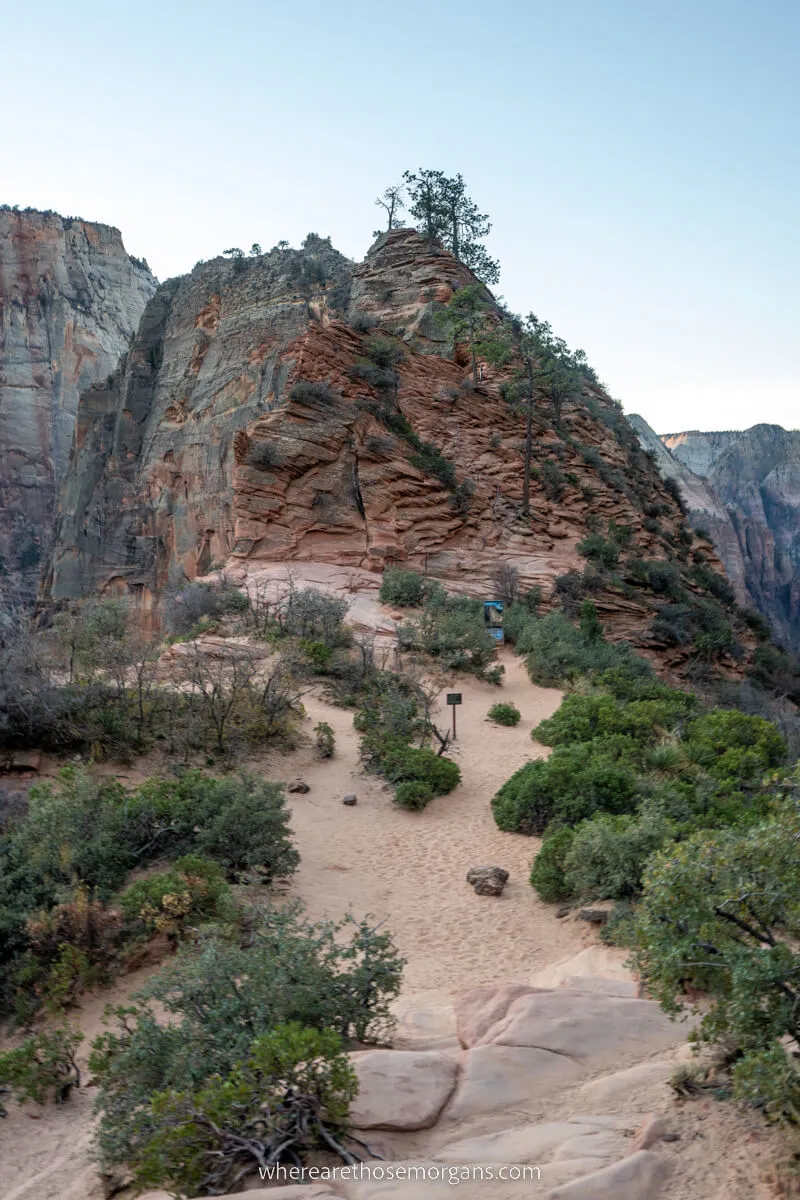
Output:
(70, 300)
(252, 424)
(744, 487)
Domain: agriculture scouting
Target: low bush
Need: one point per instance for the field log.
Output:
(325, 739)
(264, 455)
(451, 629)
(403, 587)
(574, 783)
(191, 892)
(734, 893)
(417, 764)
(43, 1067)
(335, 977)
(504, 714)
(292, 1095)
(414, 794)
(430, 460)
(547, 872)
(314, 393)
(607, 855)
(86, 833)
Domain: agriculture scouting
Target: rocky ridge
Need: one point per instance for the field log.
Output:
(744, 487)
(70, 300)
(244, 429)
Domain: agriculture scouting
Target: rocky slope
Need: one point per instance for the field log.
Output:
(202, 449)
(744, 487)
(70, 300)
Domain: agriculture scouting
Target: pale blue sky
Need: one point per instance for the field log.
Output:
(638, 157)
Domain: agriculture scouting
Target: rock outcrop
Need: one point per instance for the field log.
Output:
(70, 300)
(744, 487)
(244, 428)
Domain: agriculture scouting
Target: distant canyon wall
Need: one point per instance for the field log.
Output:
(744, 487)
(70, 300)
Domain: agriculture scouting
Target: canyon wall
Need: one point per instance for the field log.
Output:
(70, 300)
(744, 488)
(253, 423)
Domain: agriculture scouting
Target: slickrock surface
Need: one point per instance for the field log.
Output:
(70, 301)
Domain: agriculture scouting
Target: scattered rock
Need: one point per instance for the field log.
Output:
(639, 1177)
(298, 785)
(488, 881)
(401, 1089)
(350, 800)
(563, 910)
(595, 916)
(652, 1130)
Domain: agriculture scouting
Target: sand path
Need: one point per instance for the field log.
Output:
(408, 869)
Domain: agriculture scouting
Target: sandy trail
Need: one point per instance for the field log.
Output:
(408, 869)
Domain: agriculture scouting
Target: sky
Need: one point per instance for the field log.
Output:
(638, 158)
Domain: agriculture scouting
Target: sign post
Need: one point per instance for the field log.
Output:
(454, 699)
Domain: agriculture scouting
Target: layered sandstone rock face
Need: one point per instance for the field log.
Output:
(745, 489)
(209, 446)
(70, 300)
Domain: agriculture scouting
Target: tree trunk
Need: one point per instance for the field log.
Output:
(526, 476)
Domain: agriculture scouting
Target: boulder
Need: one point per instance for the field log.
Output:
(639, 1177)
(601, 1139)
(497, 1078)
(298, 785)
(487, 881)
(593, 1029)
(401, 1089)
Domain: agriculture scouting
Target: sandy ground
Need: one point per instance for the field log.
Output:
(408, 870)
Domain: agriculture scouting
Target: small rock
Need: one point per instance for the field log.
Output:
(487, 881)
(298, 785)
(350, 800)
(595, 916)
(652, 1130)
(563, 910)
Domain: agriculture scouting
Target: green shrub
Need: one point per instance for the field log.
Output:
(403, 587)
(556, 651)
(504, 714)
(289, 1097)
(733, 893)
(319, 656)
(315, 616)
(713, 582)
(608, 855)
(581, 718)
(242, 822)
(193, 890)
(338, 977)
(424, 765)
(451, 629)
(414, 794)
(43, 1067)
(572, 784)
(325, 739)
(604, 553)
(315, 393)
(734, 748)
(430, 460)
(390, 717)
(547, 872)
